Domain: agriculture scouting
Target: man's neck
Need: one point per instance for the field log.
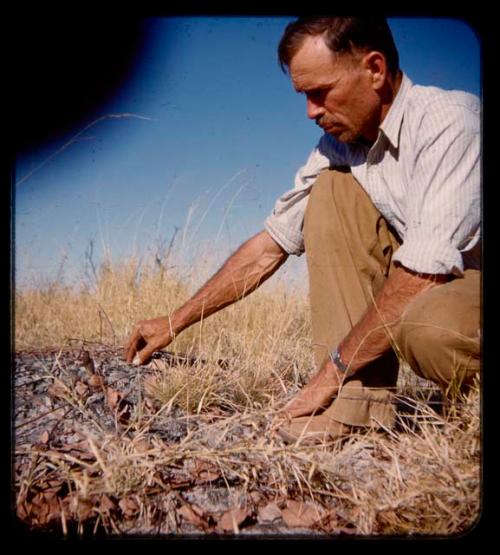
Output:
(393, 88)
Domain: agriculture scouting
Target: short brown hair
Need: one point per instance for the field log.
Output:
(341, 35)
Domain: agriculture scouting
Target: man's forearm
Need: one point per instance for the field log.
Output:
(372, 335)
(254, 262)
(367, 340)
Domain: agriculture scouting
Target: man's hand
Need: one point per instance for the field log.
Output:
(148, 336)
(317, 393)
(245, 270)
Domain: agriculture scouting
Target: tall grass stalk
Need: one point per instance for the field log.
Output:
(423, 478)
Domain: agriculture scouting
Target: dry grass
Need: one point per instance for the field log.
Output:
(423, 478)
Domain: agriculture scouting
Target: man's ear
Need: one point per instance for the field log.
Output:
(374, 63)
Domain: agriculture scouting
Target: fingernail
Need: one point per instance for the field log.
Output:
(136, 361)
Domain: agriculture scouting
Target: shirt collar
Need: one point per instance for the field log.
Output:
(394, 118)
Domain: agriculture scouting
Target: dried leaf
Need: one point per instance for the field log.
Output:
(23, 510)
(112, 398)
(87, 362)
(39, 509)
(59, 413)
(256, 497)
(124, 412)
(81, 389)
(57, 389)
(269, 513)
(116, 402)
(231, 520)
(329, 521)
(205, 471)
(66, 503)
(82, 508)
(299, 514)
(107, 505)
(54, 509)
(95, 381)
(142, 446)
(129, 506)
(187, 512)
(44, 437)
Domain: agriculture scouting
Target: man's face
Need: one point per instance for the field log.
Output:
(339, 91)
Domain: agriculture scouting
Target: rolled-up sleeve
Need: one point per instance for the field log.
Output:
(286, 221)
(443, 198)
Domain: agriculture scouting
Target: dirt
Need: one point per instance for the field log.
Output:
(72, 406)
(64, 397)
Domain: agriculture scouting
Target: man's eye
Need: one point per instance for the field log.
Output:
(317, 95)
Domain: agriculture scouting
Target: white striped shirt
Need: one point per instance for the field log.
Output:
(422, 173)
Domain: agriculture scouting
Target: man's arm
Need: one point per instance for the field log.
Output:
(254, 262)
(367, 340)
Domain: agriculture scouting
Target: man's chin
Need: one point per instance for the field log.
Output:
(342, 136)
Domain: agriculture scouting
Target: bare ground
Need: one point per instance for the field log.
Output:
(95, 454)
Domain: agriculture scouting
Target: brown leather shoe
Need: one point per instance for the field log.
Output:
(313, 430)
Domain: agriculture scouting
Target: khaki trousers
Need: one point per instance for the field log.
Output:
(349, 248)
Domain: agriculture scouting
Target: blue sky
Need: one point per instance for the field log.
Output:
(215, 136)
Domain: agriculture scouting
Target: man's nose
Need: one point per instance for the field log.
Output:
(314, 109)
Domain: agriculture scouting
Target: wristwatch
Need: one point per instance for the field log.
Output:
(335, 358)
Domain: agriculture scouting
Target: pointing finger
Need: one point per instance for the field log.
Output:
(134, 345)
(144, 356)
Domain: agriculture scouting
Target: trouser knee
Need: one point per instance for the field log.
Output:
(439, 335)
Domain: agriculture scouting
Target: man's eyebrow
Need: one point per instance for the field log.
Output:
(313, 88)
